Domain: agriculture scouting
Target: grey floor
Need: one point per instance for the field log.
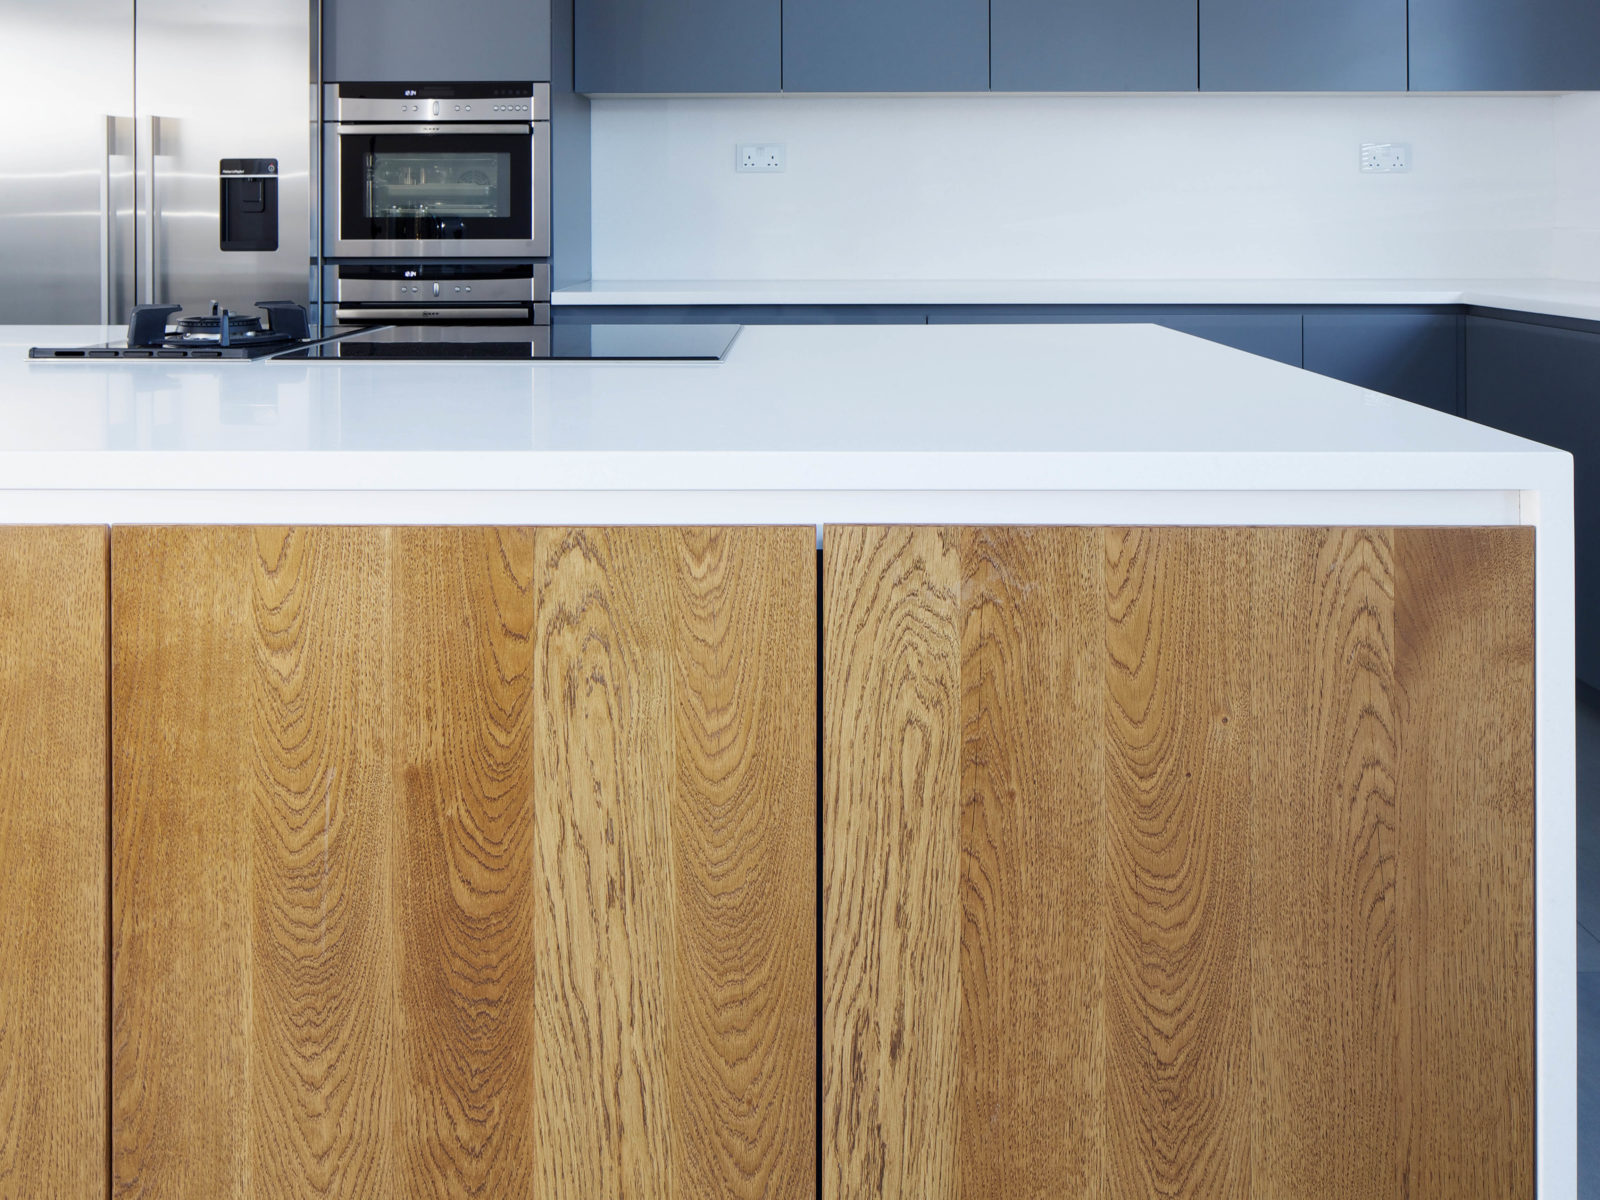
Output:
(1588, 949)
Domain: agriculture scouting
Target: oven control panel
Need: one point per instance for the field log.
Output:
(436, 102)
(439, 283)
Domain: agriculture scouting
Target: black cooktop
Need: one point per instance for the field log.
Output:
(513, 343)
(221, 334)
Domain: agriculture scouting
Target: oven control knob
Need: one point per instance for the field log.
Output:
(436, 289)
(435, 108)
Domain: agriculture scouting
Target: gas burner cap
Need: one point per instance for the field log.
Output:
(237, 325)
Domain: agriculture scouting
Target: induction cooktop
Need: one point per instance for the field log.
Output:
(512, 343)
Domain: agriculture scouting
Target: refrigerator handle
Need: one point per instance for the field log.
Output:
(107, 217)
(148, 254)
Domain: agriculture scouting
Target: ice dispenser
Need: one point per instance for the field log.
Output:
(249, 206)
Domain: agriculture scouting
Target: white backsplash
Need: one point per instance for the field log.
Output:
(1577, 242)
(1097, 187)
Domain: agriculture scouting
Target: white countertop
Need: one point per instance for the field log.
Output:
(1542, 296)
(1123, 406)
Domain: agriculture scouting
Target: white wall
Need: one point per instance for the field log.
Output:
(1091, 187)
(1577, 239)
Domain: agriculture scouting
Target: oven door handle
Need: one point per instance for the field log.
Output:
(390, 127)
(422, 313)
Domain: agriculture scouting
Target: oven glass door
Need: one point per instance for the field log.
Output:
(457, 189)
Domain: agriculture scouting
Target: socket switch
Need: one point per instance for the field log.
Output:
(765, 157)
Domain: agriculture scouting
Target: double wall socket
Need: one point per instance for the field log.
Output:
(765, 157)
(1384, 157)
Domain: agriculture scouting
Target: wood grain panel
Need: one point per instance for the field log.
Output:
(674, 694)
(322, 852)
(182, 785)
(1464, 670)
(603, 775)
(319, 951)
(53, 814)
(744, 823)
(1031, 1041)
(891, 869)
(1326, 1031)
(1177, 730)
(463, 845)
(1245, 854)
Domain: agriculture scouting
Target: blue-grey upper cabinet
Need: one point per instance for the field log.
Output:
(885, 45)
(678, 45)
(478, 41)
(1505, 45)
(1303, 45)
(1093, 45)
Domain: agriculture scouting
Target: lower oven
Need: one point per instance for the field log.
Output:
(436, 170)
(437, 293)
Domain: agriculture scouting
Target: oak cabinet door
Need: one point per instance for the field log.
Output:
(52, 862)
(1177, 862)
(462, 862)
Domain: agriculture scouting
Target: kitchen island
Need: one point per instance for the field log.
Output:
(1191, 710)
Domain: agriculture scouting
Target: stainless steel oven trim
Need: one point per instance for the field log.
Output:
(364, 314)
(336, 246)
(425, 127)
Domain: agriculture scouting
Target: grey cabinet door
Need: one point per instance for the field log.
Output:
(739, 314)
(466, 41)
(1093, 46)
(1505, 45)
(885, 45)
(1303, 45)
(1270, 334)
(678, 45)
(1415, 356)
(1544, 384)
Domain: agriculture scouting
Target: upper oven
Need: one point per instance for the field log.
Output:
(436, 170)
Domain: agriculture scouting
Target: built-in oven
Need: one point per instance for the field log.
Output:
(440, 170)
(437, 293)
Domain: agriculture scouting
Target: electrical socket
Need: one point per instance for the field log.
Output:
(1384, 157)
(762, 157)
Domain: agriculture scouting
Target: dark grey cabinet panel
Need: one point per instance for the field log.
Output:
(1271, 334)
(1303, 46)
(1544, 384)
(679, 45)
(1505, 45)
(1093, 46)
(467, 40)
(885, 45)
(739, 314)
(1415, 356)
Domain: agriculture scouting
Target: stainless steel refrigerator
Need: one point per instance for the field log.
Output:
(124, 117)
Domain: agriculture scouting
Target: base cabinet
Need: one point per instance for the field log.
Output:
(463, 862)
(487, 862)
(1543, 383)
(53, 862)
(1178, 862)
(1413, 355)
